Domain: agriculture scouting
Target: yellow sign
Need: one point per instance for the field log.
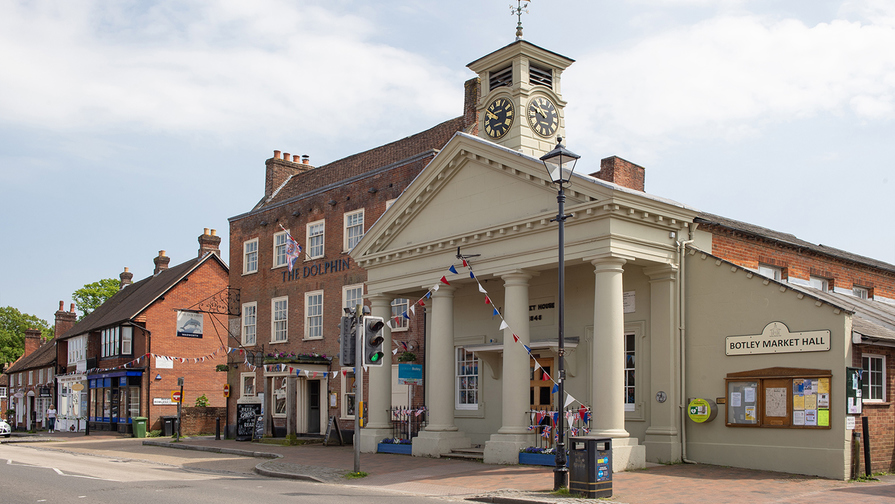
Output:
(699, 410)
(77, 387)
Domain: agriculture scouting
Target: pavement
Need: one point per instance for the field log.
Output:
(457, 480)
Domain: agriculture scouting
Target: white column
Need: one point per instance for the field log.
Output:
(380, 393)
(515, 383)
(609, 350)
(440, 359)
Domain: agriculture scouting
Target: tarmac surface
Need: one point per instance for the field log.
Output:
(459, 480)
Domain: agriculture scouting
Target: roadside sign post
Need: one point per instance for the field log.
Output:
(179, 405)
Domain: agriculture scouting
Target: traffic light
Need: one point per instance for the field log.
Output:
(373, 339)
(347, 341)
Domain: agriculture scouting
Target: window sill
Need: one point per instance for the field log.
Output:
(400, 329)
(278, 267)
(312, 339)
(245, 273)
(279, 342)
(870, 402)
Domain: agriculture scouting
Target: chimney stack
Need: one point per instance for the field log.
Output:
(624, 173)
(65, 320)
(161, 262)
(209, 242)
(282, 166)
(32, 341)
(126, 277)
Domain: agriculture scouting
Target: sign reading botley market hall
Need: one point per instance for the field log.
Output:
(776, 338)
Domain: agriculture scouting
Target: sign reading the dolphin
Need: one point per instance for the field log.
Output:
(189, 324)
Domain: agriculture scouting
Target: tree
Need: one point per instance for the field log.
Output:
(13, 324)
(92, 295)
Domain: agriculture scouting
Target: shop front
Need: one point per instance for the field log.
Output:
(72, 407)
(114, 400)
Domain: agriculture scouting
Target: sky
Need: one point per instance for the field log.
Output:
(127, 127)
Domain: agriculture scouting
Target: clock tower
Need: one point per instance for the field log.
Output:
(521, 105)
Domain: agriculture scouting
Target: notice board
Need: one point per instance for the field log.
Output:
(779, 397)
(245, 420)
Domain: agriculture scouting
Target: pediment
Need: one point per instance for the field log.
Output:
(471, 184)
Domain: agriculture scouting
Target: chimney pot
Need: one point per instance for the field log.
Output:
(305, 159)
(276, 154)
(214, 232)
(72, 309)
(287, 156)
(61, 305)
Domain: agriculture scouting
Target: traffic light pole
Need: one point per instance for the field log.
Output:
(358, 383)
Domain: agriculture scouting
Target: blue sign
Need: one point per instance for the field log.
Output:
(410, 374)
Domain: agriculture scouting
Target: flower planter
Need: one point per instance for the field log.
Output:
(543, 459)
(403, 449)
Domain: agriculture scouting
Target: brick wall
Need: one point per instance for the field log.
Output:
(880, 415)
(202, 420)
(748, 252)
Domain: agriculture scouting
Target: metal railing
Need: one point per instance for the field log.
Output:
(543, 423)
(406, 422)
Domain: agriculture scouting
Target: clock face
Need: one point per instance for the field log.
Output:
(542, 116)
(498, 117)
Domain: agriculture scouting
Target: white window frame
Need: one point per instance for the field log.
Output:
(867, 392)
(242, 385)
(40, 376)
(346, 377)
(244, 332)
(352, 295)
(279, 249)
(399, 306)
(350, 229)
(279, 319)
(127, 340)
(31, 377)
(279, 394)
(819, 283)
(630, 367)
(250, 257)
(2, 392)
(76, 347)
(464, 359)
(313, 315)
(316, 250)
(861, 292)
(774, 272)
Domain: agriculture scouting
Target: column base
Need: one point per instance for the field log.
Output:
(504, 448)
(627, 454)
(662, 447)
(435, 443)
(370, 438)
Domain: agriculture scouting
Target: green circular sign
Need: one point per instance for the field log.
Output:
(699, 410)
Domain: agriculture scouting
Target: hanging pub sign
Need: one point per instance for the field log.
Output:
(189, 324)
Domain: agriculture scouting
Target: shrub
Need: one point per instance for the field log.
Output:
(201, 401)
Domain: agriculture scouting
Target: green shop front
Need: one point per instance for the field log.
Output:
(114, 400)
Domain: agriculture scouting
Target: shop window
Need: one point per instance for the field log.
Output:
(315, 239)
(779, 398)
(279, 396)
(279, 322)
(250, 256)
(354, 228)
(347, 384)
(249, 323)
(314, 315)
(279, 249)
(248, 385)
(873, 383)
(467, 385)
(399, 308)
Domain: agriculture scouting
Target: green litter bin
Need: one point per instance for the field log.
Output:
(140, 426)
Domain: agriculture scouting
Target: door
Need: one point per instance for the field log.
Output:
(313, 406)
(541, 390)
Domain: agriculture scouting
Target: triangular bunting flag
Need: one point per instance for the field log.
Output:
(428, 295)
(465, 264)
(537, 365)
(405, 315)
(555, 388)
(444, 281)
(412, 311)
(472, 275)
(527, 348)
(453, 270)
(395, 351)
(487, 300)
(569, 400)
(482, 289)
(421, 303)
(435, 288)
(495, 313)
(503, 324)
(516, 338)
(546, 377)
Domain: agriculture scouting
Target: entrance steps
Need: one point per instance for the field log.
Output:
(474, 454)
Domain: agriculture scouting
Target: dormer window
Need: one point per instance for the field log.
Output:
(502, 77)
(538, 76)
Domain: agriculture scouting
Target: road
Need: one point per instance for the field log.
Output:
(67, 473)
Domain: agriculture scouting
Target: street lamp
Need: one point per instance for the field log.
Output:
(560, 164)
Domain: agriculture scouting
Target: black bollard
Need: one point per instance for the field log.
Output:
(217, 429)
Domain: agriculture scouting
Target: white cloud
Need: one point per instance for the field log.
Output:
(223, 66)
(725, 77)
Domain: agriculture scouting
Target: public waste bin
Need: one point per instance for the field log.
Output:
(140, 426)
(168, 425)
(590, 471)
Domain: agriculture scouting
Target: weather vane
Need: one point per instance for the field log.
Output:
(517, 11)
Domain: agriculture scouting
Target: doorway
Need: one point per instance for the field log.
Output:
(313, 406)
(541, 390)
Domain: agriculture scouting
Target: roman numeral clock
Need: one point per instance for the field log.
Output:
(542, 116)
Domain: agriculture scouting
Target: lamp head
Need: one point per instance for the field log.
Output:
(560, 163)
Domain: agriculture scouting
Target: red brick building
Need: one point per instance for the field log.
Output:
(123, 360)
(288, 330)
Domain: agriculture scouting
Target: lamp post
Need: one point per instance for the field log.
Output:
(560, 163)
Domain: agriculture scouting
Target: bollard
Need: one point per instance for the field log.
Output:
(217, 429)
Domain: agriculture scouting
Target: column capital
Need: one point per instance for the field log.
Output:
(444, 291)
(608, 263)
(516, 275)
(380, 298)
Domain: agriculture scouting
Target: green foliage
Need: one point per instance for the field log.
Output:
(13, 324)
(154, 433)
(407, 357)
(356, 475)
(201, 401)
(92, 295)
